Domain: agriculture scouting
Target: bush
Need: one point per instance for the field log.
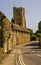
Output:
(33, 38)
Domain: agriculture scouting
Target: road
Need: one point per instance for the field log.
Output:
(29, 54)
(32, 56)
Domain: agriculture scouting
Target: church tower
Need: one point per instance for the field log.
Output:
(19, 16)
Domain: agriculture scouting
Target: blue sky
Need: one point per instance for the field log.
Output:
(32, 10)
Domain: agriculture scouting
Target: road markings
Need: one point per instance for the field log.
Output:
(39, 55)
(18, 52)
(20, 58)
(16, 60)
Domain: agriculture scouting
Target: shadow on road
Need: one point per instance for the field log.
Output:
(33, 45)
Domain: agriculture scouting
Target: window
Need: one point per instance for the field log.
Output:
(18, 13)
(19, 22)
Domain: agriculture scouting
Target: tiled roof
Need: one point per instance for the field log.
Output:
(1, 14)
(16, 27)
(19, 28)
(25, 29)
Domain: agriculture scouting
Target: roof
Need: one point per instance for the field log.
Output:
(3, 16)
(19, 28)
(16, 27)
(25, 29)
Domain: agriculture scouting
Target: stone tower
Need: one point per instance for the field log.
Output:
(19, 16)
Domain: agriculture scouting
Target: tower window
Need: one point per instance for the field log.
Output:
(19, 22)
(18, 13)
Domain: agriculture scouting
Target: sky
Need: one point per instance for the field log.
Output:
(32, 11)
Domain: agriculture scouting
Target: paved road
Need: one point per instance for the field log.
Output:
(29, 54)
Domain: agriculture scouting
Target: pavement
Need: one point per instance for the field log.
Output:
(10, 58)
(28, 54)
(32, 59)
(31, 54)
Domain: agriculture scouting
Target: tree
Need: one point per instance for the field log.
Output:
(31, 31)
(39, 25)
(12, 20)
(38, 32)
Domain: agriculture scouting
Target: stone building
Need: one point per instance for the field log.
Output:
(19, 16)
(22, 35)
(14, 32)
(5, 33)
